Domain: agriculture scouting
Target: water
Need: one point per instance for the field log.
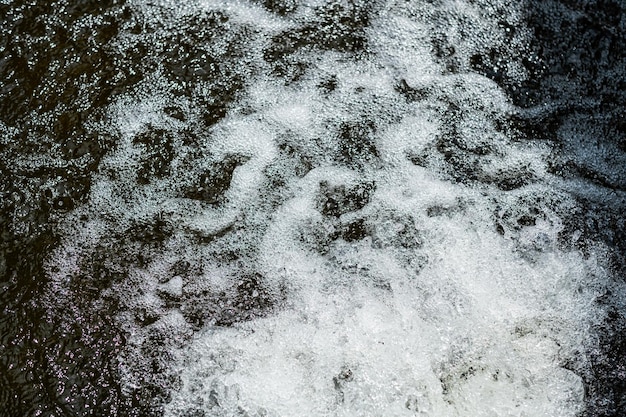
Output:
(279, 208)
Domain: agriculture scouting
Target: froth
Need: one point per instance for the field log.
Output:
(353, 233)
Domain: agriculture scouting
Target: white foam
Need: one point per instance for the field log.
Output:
(431, 312)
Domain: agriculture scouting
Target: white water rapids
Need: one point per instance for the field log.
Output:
(350, 266)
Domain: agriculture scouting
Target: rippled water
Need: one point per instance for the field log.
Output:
(324, 208)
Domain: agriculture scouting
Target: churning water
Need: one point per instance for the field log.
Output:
(324, 208)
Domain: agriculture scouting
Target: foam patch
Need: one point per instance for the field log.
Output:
(314, 209)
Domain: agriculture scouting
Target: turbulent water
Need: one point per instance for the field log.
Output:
(325, 208)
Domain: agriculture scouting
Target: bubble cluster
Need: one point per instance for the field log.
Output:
(330, 208)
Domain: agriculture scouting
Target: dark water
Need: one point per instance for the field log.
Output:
(63, 65)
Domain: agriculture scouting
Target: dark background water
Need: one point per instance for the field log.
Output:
(59, 72)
